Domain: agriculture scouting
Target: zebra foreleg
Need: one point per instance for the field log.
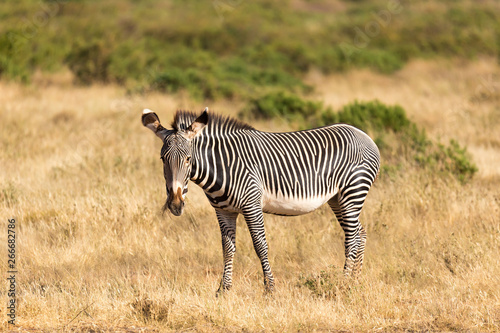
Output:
(255, 221)
(227, 223)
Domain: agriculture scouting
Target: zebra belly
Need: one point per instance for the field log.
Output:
(281, 205)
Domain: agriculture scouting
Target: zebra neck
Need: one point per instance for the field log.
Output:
(213, 155)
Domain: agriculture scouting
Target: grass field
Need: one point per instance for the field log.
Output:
(84, 181)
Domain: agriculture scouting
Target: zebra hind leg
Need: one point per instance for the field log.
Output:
(347, 214)
(358, 262)
(227, 224)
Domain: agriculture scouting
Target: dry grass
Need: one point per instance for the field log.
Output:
(83, 178)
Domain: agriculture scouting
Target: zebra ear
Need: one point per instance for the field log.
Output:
(195, 128)
(151, 121)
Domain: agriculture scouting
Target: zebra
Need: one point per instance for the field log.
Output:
(246, 171)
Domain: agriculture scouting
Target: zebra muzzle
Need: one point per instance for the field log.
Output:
(175, 202)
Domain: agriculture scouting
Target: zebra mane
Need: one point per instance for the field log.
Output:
(183, 119)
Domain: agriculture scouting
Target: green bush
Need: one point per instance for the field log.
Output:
(173, 80)
(192, 80)
(398, 138)
(383, 121)
(450, 159)
(128, 62)
(281, 105)
(14, 56)
(368, 116)
(90, 62)
(206, 77)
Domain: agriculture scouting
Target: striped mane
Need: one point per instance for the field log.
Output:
(183, 119)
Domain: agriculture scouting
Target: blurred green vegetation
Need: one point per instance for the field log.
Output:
(235, 48)
(281, 105)
(399, 139)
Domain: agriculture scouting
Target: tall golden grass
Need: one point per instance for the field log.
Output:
(83, 179)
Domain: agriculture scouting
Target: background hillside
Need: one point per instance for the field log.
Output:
(227, 48)
(84, 180)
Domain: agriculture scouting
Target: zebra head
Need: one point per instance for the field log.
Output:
(176, 156)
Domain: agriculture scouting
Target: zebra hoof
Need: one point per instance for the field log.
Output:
(222, 291)
(268, 293)
(268, 287)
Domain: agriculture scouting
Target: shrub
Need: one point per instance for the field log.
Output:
(89, 62)
(207, 77)
(452, 159)
(369, 116)
(381, 120)
(398, 138)
(128, 62)
(172, 80)
(281, 105)
(14, 56)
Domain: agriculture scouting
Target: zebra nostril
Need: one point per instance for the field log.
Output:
(177, 209)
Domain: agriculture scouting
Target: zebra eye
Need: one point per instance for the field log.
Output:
(188, 159)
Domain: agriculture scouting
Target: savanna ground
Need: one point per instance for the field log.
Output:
(84, 181)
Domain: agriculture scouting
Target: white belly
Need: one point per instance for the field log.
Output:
(292, 206)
